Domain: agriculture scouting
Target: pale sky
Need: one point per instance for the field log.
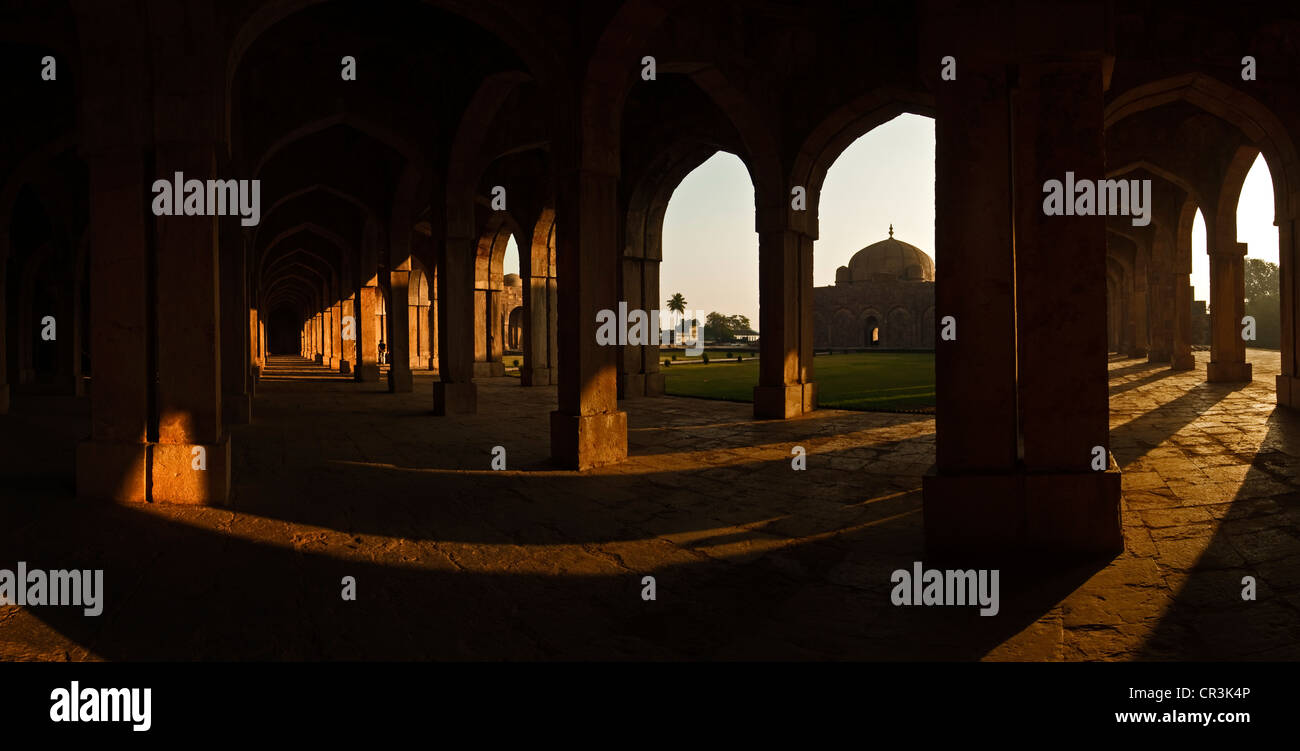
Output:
(885, 177)
(1254, 227)
(710, 247)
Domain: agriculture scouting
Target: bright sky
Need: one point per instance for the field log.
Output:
(711, 249)
(1254, 227)
(885, 177)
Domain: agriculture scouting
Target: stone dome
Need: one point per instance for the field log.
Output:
(513, 280)
(888, 260)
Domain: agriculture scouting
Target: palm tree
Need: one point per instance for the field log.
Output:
(677, 304)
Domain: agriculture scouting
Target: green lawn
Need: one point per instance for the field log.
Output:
(865, 381)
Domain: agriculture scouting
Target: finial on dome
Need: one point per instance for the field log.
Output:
(891, 230)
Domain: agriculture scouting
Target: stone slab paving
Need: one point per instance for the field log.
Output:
(752, 560)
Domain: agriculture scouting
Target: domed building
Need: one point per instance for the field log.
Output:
(512, 301)
(883, 298)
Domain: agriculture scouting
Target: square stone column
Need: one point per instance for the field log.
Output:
(454, 392)
(587, 430)
(113, 464)
(366, 351)
(1288, 381)
(785, 371)
(236, 399)
(1227, 307)
(191, 460)
(336, 336)
(400, 380)
(1182, 358)
(537, 365)
(972, 498)
(638, 374)
(347, 334)
(1063, 382)
(4, 346)
(1022, 389)
(1141, 300)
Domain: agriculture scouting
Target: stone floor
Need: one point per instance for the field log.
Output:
(752, 559)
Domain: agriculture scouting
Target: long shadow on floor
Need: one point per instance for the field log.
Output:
(1258, 537)
(181, 592)
(1153, 428)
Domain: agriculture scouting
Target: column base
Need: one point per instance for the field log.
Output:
(1185, 361)
(114, 472)
(4, 398)
(587, 441)
(368, 372)
(1229, 372)
(1288, 391)
(491, 369)
(535, 376)
(631, 385)
(176, 479)
(400, 381)
(988, 516)
(334, 363)
(1158, 355)
(1136, 352)
(455, 398)
(345, 367)
(654, 384)
(236, 409)
(784, 402)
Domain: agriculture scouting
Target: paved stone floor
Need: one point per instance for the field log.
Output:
(752, 560)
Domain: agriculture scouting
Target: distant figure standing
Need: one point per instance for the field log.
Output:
(382, 354)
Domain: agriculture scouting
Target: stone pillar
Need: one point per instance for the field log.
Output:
(336, 336)
(112, 464)
(4, 344)
(318, 338)
(235, 329)
(639, 373)
(1161, 313)
(70, 342)
(1288, 381)
(1139, 310)
(587, 430)
(416, 336)
(1227, 306)
(431, 314)
(255, 344)
(367, 346)
(1063, 392)
(348, 326)
(785, 369)
(1181, 355)
(1006, 386)
(191, 462)
(973, 496)
(454, 392)
(1128, 331)
(399, 347)
(495, 341)
(537, 313)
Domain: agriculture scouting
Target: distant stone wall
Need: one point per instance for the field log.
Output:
(901, 314)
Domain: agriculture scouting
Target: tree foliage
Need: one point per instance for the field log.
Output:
(1263, 301)
(724, 328)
